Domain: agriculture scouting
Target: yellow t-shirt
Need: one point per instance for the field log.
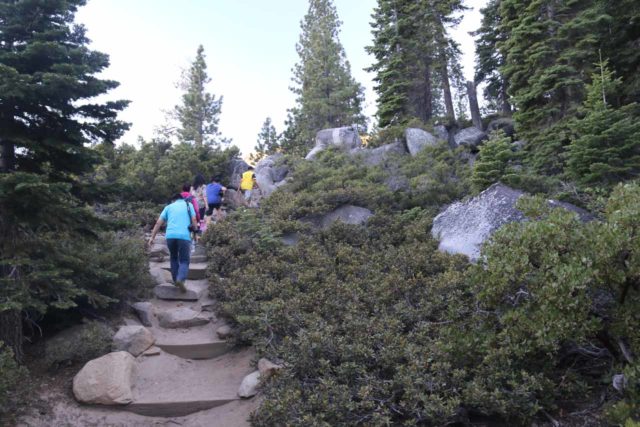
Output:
(247, 180)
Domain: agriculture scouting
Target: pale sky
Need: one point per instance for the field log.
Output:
(250, 48)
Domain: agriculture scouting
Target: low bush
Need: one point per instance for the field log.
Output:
(78, 344)
(12, 382)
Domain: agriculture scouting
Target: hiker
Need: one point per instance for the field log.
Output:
(180, 217)
(186, 195)
(248, 183)
(215, 193)
(198, 190)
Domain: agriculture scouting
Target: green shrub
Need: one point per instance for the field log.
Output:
(133, 215)
(12, 382)
(78, 344)
(493, 161)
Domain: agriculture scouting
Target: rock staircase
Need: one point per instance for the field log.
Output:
(190, 375)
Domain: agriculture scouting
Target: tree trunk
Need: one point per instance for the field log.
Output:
(7, 156)
(448, 99)
(473, 105)
(505, 105)
(11, 332)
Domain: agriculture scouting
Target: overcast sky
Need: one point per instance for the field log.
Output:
(250, 48)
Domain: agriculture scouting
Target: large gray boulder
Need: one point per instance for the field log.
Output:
(441, 133)
(235, 169)
(107, 380)
(134, 339)
(471, 137)
(270, 173)
(347, 214)
(463, 227)
(418, 139)
(379, 155)
(344, 138)
(505, 124)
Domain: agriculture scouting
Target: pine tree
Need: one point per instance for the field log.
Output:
(493, 161)
(199, 113)
(606, 146)
(549, 47)
(48, 119)
(490, 60)
(267, 142)
(416, 61)
(327, 94)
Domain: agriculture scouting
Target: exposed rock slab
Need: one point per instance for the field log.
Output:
(471, 137)
(134, 339)
(197, 270)
(347, 214)
(270, 171)
(344, 138)
(441, 133)
(505, 124)
(182, 317)
(418, 140)
(169, 386)
(160, 275)
(463, 227)
(107, 380)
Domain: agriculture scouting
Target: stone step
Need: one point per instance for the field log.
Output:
(195, 291)
(168, 386)
(197, 270)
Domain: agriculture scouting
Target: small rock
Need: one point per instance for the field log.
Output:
(152, 351)
(249, 386)
(159, 250)
(181, 318)
(134, 339)
(619, 382)
(267, 368)
(224, 332)
(144, 310)
(441, 133)
(107, 380)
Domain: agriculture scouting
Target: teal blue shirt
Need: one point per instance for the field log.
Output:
(178, 219)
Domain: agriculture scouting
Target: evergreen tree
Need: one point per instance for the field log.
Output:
(48, 118)
(267, 142)
(606, 148)
(549, 47)
(493, 161)
(327, 94)
(199, 113)
(490, 60)
(416, 61)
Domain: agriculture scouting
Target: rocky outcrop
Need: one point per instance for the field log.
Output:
(347, 214)
(418, 139)
(471, 137)
(134, 339)
(235, 169)
(344, 138)
(160, 275)
(271, 173)
(107, 380)
(463, 227)
(441, 133)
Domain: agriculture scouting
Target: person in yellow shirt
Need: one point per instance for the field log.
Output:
(248, 183)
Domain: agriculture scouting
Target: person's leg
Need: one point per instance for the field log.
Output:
(172, 244)
(184, 256)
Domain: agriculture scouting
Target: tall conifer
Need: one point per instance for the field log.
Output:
(199, 112)
(326, 93)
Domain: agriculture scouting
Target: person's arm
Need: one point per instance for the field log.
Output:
(255, 181)
(156, 228)
(194, 217)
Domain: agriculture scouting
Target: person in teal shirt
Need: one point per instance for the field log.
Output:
(178, 216)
